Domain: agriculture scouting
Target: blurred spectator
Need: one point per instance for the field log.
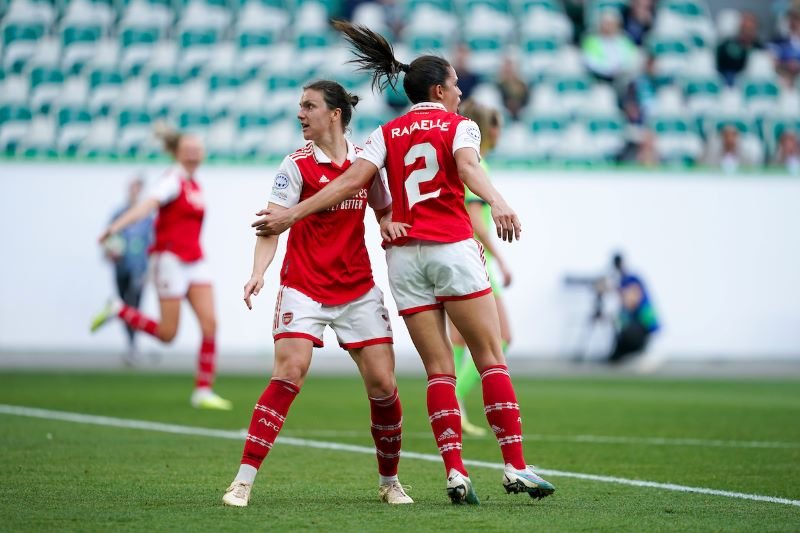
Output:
(128, 252)
(512, 88)
(732, 52)
(637, 19)
(787, 50)
(637, 102)
(467, 80)
(647, 152)
(576, 12)
(641, 148)
(725, 151)
(636, 320)
(788, 153)
(610, 53)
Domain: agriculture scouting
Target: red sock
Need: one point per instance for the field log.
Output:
(205, 363)
(135, 319)
(268, 416)
(445, 420)
(387, 420)
(502, 412)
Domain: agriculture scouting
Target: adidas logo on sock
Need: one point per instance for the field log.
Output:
(447, 434)
(496, 429)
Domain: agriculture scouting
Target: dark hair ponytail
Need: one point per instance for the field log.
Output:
(336, 97)
(374, 53)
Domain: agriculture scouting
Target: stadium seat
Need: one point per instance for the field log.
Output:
(165, 87)
(14, 122)
(678, 138)
(45, 86)
(74, 123)
(79, 40)
(222, 138)
(100, 139)
(20, 43)
(223, 89)
(40, 137)
(520, 7)
(137, 47)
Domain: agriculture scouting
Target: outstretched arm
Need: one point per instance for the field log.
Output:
(263, 255)
(474, 177)
(474, 209)
(132, 215)
(342, 188)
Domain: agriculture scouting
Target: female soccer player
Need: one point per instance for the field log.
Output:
(176, 262)
(489, 122)
(326, 280)
(435, 265)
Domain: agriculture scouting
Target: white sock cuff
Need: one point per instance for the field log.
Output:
(385, 480)
(247, 474)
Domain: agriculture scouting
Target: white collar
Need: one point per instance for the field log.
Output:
(322, 157)
(428, 105)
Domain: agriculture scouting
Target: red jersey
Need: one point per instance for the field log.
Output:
(326, 257)
(180, 215)
(417, 150)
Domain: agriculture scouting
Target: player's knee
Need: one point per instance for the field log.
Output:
(293, 371)
(381, 388)
(167, 335)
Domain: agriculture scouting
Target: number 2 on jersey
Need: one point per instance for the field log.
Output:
(421, 175)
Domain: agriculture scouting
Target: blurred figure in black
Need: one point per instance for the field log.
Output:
(128, 253)
(636, 320)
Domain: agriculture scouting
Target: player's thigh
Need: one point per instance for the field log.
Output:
(170, 316)
(292, 359)
(376, 364)
(201, 298)
(429, 335)
(505, 323)
(455, 335)
(299, 317)
(479, 324)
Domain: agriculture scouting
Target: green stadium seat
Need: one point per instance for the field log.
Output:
(14, 122)
(45, 86)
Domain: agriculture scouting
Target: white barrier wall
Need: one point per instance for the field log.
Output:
(721, 256)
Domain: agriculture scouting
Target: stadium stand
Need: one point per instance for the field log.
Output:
(91, 77)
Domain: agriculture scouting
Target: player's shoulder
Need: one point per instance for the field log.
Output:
(301, 153)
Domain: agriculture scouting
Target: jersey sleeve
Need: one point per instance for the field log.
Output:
(375, 149)
(287, 184)
(378, 196)
(468, 135)
(166, 189)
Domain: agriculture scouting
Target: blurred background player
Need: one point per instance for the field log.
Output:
(430, 154)
(128, 253)
(489, 122)
(176, 258)
(326, 280)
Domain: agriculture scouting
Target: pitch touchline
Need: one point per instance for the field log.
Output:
(591, 439)
(108, 421)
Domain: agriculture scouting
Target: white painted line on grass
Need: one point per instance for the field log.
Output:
(579, 439)
(145, 425)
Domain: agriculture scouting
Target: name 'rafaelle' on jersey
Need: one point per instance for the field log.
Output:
(424, 125)
(357, 201)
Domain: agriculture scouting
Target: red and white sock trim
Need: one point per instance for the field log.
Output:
(446, 412)
(500, 406)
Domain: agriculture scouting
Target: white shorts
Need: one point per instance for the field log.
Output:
(361, 322)
(173, 276)
(424, 274)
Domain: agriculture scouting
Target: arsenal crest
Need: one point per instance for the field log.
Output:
(287, 318)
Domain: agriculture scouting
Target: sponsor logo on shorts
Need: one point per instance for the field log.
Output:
(287, 318)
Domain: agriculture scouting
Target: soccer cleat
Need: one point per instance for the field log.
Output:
(393, 493)
(204, 398)
(526, 480)
(238, 494)
(472, 430)
(459, 489)
(108, 312)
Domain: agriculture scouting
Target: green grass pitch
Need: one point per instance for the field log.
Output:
(740, 436)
